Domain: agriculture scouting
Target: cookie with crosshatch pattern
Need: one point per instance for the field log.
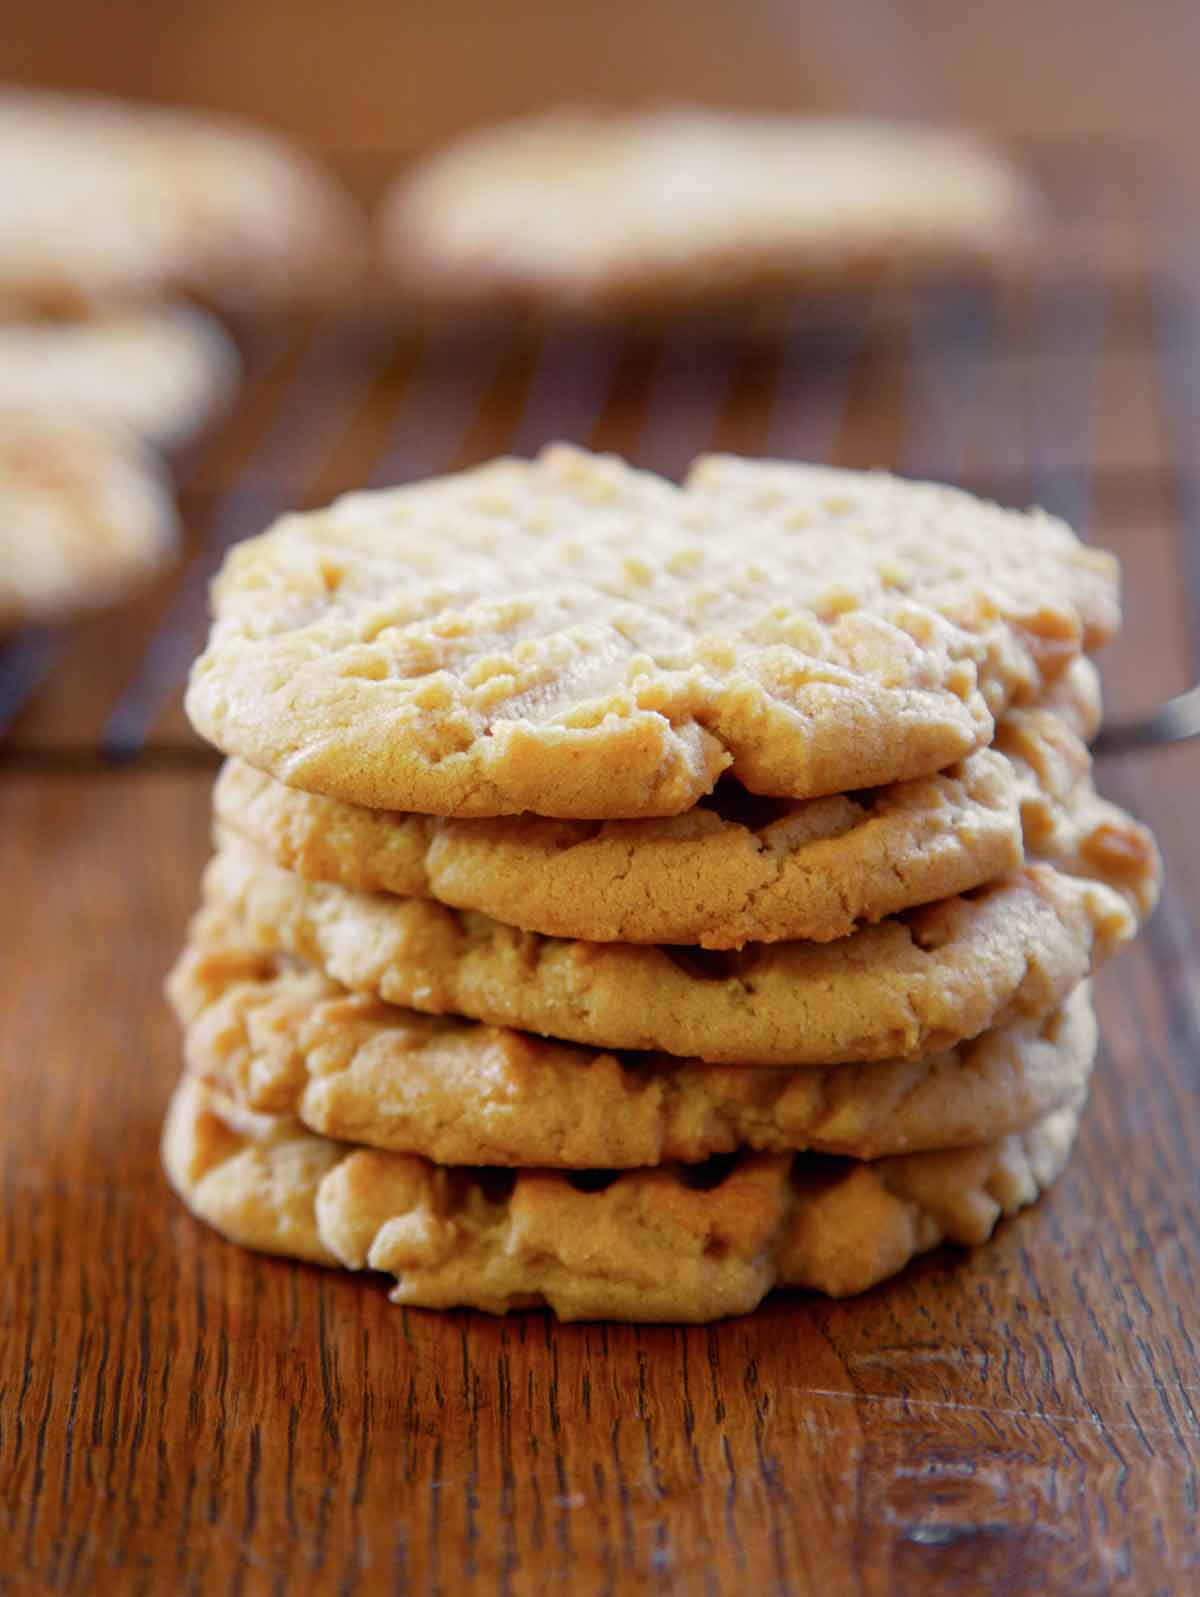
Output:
(679, 1242)
(574, 638)
(658, 209)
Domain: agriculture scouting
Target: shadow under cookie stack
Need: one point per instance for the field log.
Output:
(633, 898)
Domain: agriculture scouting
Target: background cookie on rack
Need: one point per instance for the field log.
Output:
(583, 210)
(165, 371)
(86, 514)
(106, 201)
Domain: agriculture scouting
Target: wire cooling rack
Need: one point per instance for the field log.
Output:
(1077, 390)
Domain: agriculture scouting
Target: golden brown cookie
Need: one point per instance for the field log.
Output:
(165, 372)
(85, 515)
(733, 870)
(584, 210)
(103, 201)
(576, 639)
(907, 987)
(283, 1039)
(688, 1243)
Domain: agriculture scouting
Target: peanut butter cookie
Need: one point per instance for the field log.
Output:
(689, 1243)
(573, 638)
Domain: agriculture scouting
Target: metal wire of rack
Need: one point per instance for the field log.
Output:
(996, 392)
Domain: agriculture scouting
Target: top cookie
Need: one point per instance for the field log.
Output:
(102, 201)
(574, 638)
(585, 210)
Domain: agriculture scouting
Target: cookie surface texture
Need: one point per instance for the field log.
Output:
(677, 1243)
(665, 208)
(281, 1039)
(165, 373)
(85, 515)
(103, 202)
(573, 638)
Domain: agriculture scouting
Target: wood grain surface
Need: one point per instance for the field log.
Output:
(178, 1416)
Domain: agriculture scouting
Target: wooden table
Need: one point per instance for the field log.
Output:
(177, 1416)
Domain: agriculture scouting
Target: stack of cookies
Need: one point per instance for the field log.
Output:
(632, 898)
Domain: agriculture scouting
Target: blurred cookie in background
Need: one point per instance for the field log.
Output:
(103, 202)
(166, 372)
(106, 210)
(86, 515)
(587, 211)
